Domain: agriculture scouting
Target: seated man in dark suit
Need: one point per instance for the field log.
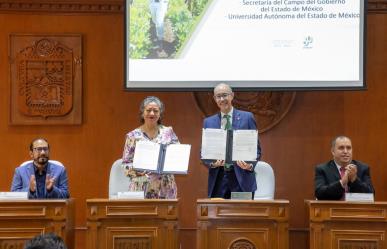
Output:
(342, 174)
(41, 178)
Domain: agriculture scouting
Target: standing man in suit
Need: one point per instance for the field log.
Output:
(41, 178)
(342, 174)
(238, 177)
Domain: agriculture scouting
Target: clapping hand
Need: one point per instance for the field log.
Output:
(50, 181)
(352, 172)
(32, 183)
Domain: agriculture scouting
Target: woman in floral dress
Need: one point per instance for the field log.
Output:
(155, 186)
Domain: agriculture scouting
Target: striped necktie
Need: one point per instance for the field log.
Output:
(228, 122)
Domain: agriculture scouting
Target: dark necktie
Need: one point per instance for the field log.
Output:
(227, 166)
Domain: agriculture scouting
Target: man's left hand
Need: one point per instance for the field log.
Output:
(245, 166)
(352, 172)
(50, 181)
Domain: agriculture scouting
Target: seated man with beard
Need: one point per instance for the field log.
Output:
(41, 178)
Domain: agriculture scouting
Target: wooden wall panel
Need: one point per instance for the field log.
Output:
(293, 147)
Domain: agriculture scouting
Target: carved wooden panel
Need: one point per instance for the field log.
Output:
(268, 107)
(63, 6)
(242, 238)
(15, 238)
(350, 244)
(23, 220)
(132, 224)
(229, 224)
(15, 211)
(131, 210)
(46, 79)
(357, 239)
(107, 6)
(132, 243)
(131, 237)
(377, 6)
(347, 225)
(242, 244)
(12, 244)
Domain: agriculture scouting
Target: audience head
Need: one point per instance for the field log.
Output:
(341, 148)
(223, 96)
(45, 241)
(39, 151)
(151, 110)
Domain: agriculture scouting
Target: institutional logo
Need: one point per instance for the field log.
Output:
(268, 107)
(308, 42)
(45, 84)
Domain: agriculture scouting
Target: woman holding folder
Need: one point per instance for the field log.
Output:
(155, 186)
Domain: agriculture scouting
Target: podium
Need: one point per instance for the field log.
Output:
(140, 224)
(224, 224)
(352, 225)
(24, 219)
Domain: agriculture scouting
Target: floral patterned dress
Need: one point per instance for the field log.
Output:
(155, 186)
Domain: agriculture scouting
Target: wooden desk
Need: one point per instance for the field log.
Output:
(23, 220)
(352, 225)
(224, 224)
(131, 224)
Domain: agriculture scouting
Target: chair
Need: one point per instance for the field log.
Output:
(264, 175)
(51, 161)
(118, 182)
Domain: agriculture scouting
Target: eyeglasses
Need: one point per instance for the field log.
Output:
(222, 95)
(40, 149)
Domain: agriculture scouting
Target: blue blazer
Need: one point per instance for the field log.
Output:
(21, 181)
(241, 120)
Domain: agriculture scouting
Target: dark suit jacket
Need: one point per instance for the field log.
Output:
(241, 120)
(327, 181)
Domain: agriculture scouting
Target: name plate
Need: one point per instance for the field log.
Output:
(241, 195)
(13, 195)
(129, 195)
(359, 197)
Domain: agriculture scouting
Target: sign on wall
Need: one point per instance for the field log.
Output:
(46, 79)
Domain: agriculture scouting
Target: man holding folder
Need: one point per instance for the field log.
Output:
(224, 178)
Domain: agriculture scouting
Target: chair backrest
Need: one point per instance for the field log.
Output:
(51, 161)
(118, 182)
(264, 175)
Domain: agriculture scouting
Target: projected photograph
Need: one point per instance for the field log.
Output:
(159, 28)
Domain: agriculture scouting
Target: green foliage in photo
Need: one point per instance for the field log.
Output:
(139, 38)
(197, 7)
(181, 19)
(183, 16)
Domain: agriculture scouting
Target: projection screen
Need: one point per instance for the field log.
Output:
(192, 45)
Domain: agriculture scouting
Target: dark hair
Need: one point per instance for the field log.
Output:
(36, 139)
(45, 241)
(148, 100)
